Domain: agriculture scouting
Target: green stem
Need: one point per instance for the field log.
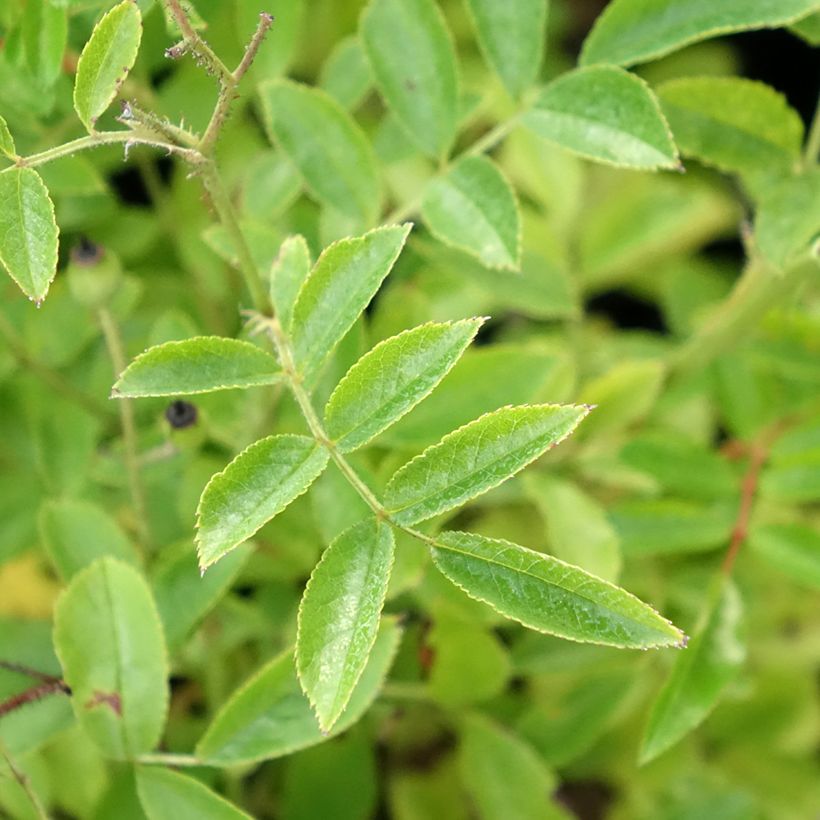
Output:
(195, 43)
(23, 781)
(95, 141)
(227, 216)
(170, 759)
(812, 150)
(50, 377)
(113, 342)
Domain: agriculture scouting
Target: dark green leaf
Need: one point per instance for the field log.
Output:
(339, 616)
(548, 595)
(476, 458)
(197, 365)
(259, 483)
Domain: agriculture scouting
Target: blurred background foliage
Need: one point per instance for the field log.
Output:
(621, 272)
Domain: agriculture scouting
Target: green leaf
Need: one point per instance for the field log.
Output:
(634, 31)
(327, 146)
(198, 365)
(512, 37)
(577, 527)
(794, 549)
(473, 207)
(681, 467)
(503, 774)
(169, 795)
(259, 483)
(606, 114)
(109, 640)
(28, 232)
(269, 716)
(288, 274)
(346, 73)
(475, 458)
(699, 676)
(393, 378)
(732, 123)
(106, 60)
(788, 218)
(670, 525)
(76, 533)
(548, 595)
(183, 595)
(808, 28)
(339, 616)
(45, 30)
(341, 284)
(414, 65)
(6, 141)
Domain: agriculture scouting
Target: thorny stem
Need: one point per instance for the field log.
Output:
(50, 377)
(33, 694)
(23, 781)
(194, 42)
(113, 342)
(96, 140)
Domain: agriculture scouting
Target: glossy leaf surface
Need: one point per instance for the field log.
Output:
(606, 114)
(339, 616)
(476, 458)
(339, 287)
(109, 640)
(106, 60)
(259, 483)
(197, 365)
(393, 378)
(548, 595)
(473, 207)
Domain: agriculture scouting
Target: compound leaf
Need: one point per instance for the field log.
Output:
(634, 31)
(257, 485)
(698, 678)
(606, 114)
(732, 123)
(28, 231)
(169, 795)
(393, 378)
(106, 60)
(269, 716)
(343, 281)
(339, 616)
(327, 146)
(473, 207)
(477, 457)
(198, 365)
(109, 640)
(548, 595)
(414, 65)
(512, 37)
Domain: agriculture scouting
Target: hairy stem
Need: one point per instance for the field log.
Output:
(48, 376)
(23, 781)
(33, 694)
(194, 43)
(95, 141)
(113, 342)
